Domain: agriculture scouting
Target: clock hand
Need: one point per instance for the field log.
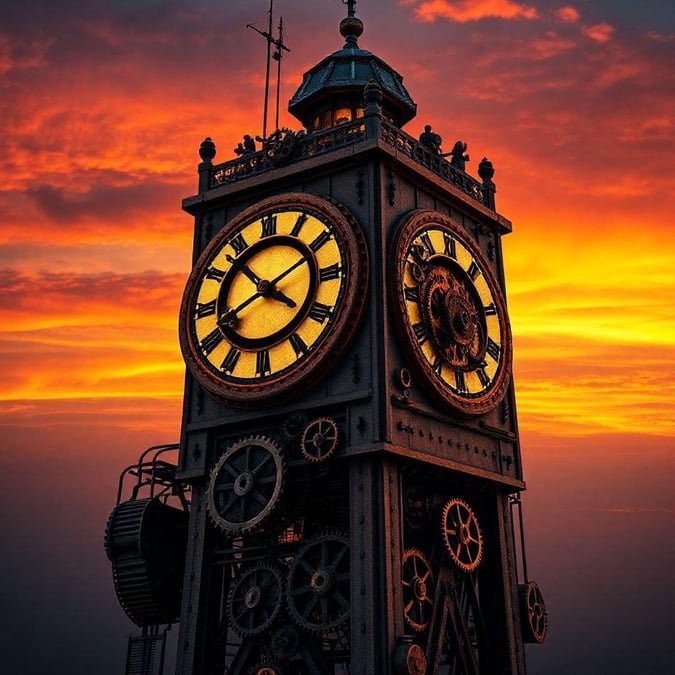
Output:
(276, 293)
(229, 316)
(243, 268)
(295, 265)
(282, 297)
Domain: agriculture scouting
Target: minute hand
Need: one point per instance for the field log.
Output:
(295, 265)
(245, 269)
(249, 300)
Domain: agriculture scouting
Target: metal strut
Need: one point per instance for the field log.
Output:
(277, 56)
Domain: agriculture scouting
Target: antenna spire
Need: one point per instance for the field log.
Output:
(279, 44)
(351, 5)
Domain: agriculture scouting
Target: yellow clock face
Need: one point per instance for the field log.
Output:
(274, 298)
(452, 313)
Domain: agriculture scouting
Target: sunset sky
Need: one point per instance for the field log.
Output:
(103, 105)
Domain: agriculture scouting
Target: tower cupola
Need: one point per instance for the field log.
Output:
(331, 92)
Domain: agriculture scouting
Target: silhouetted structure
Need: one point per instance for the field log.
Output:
(349, 440)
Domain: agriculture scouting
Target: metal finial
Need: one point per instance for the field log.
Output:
(351, 27)
(351, 4)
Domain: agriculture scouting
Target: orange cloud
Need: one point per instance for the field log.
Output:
(600, 32)
(91, 335)
(472, 10)
(566, 14)
(550, 45)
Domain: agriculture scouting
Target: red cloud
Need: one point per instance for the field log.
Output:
(472, 10)
(600, 32)
(566, 14)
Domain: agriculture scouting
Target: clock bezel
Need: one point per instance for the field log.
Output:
(323, 354)
(409, 228)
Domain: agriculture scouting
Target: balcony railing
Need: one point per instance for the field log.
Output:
(285, 147)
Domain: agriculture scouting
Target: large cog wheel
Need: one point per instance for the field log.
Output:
(418, 588)
(255, 599)
(319, 439)
(319, 584)
(245, 485)
(533, 612)
(462, 535)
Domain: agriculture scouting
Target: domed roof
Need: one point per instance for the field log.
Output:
(339, 79)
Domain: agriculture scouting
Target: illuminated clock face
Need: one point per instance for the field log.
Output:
(274, 298)
(452, 313)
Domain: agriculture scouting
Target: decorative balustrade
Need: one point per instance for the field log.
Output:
(285, 147)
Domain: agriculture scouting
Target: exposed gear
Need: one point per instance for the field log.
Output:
(284, 643)
(453, 316)
(294, 425)
(245, 484)
(462, 535)
(319, 584)
(418, 590)
(320, 439)
(264, 669)
(145, 540)
(279, 145)
(255, 599)
(533, 614)
(409, 659)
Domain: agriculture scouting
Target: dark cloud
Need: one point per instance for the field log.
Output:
(101, 202)
(106, 297)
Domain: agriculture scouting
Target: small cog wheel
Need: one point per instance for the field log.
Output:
(418, 590)
(319, 584)
(264, 669)
(320, 439)
(294, 425)
(462, 535)
(532, 612)
(255, 599)
(245, 485)
(284, 643)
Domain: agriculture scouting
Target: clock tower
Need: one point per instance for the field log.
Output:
(349, 436)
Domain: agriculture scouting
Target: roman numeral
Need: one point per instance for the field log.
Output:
(437, 365)
(238, 243)
(493, 349)
(298, 344)
(269, 225)
(302, 219)
(215, 274)
(483, 377)
(420, 332)
(230, 361)
(320, 312)
(211, 341)
(473, 270)
(450, 245)
(262, 363)
(205, 309)
(490, 310)
(460, 382)
(320, 241)
(330, 272)
(427, 243)
(412, 293)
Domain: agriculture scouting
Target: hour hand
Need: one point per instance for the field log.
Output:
(243, 268)
(229, 318)
(282, 297)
